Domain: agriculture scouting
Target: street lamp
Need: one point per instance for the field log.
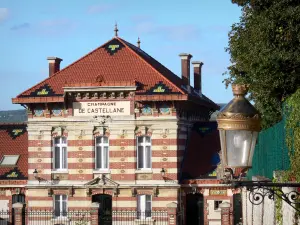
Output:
(238, 124)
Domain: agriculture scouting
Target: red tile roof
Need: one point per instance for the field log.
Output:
(115, 61)
(129, 63)
(14, 141)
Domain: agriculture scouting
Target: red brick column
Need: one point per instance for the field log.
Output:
(172, 211)
(94, 213)
(18, 208)
(225, 213)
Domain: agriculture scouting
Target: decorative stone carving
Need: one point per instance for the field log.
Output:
(143, 130)
(101, 131)
(59, 131)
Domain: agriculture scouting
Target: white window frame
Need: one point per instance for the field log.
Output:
(61, 146)
(61, 202)
(102, 145)
(144, 144)
(14, 164)
(142, 205)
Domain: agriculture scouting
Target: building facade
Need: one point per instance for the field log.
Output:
(117, 128)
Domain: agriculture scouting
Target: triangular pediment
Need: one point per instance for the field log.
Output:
(101, 181)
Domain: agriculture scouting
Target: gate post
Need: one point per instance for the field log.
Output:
(18, 208)
(172, 213)
(94, 213)
(225, 213)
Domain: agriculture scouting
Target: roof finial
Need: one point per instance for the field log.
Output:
(139, 42)
(116, 30)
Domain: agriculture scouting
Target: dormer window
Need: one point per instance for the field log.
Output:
(9, 160)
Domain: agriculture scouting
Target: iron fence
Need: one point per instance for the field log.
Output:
(116, 217)
(139, 218)
(44, 217)
(6, 217)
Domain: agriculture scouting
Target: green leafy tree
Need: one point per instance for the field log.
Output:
(265, 53)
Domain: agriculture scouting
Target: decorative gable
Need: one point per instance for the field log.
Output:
(113, 46)
(159, 88)
(42, 91)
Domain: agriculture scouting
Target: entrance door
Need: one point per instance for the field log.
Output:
(105, 208)
(237, 208)
(194, 209)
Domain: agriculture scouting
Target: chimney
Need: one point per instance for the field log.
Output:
(185, 69)
(54, 65)
(197, 76)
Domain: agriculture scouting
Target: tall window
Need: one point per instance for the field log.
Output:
(144, 206)
(101, 152)
(60, 205)
(144, 152)
(60, 153)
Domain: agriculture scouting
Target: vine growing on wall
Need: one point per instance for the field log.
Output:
(292, 109)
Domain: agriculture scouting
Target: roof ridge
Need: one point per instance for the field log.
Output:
(81, 58)
(170, 82)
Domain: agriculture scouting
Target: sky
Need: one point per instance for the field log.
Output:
(32, 30)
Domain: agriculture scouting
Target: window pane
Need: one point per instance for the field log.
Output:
(64, 205)
(140, 157)
(140, 140)
(105, 140)
(64, 140)
(64, 159)
(105, 158)
(148, 206)
(148, 139)
(141, 203)
(57, 157)
(98, 157)
(98, 140)
(57, 205)
(148, 157)
(56, 140)
(18, 198)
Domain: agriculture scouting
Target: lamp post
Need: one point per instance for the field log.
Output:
(239, 125)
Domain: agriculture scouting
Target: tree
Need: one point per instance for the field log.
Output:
(265, 53)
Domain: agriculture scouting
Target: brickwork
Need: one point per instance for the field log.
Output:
(167, 152)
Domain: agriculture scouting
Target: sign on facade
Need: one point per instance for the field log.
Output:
(112, 108)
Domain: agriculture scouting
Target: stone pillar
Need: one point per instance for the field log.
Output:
(94, 213)
(288, 212)
(225, 213)
(18, 208)
(172, 213)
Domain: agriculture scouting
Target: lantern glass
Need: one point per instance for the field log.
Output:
(238, 147)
